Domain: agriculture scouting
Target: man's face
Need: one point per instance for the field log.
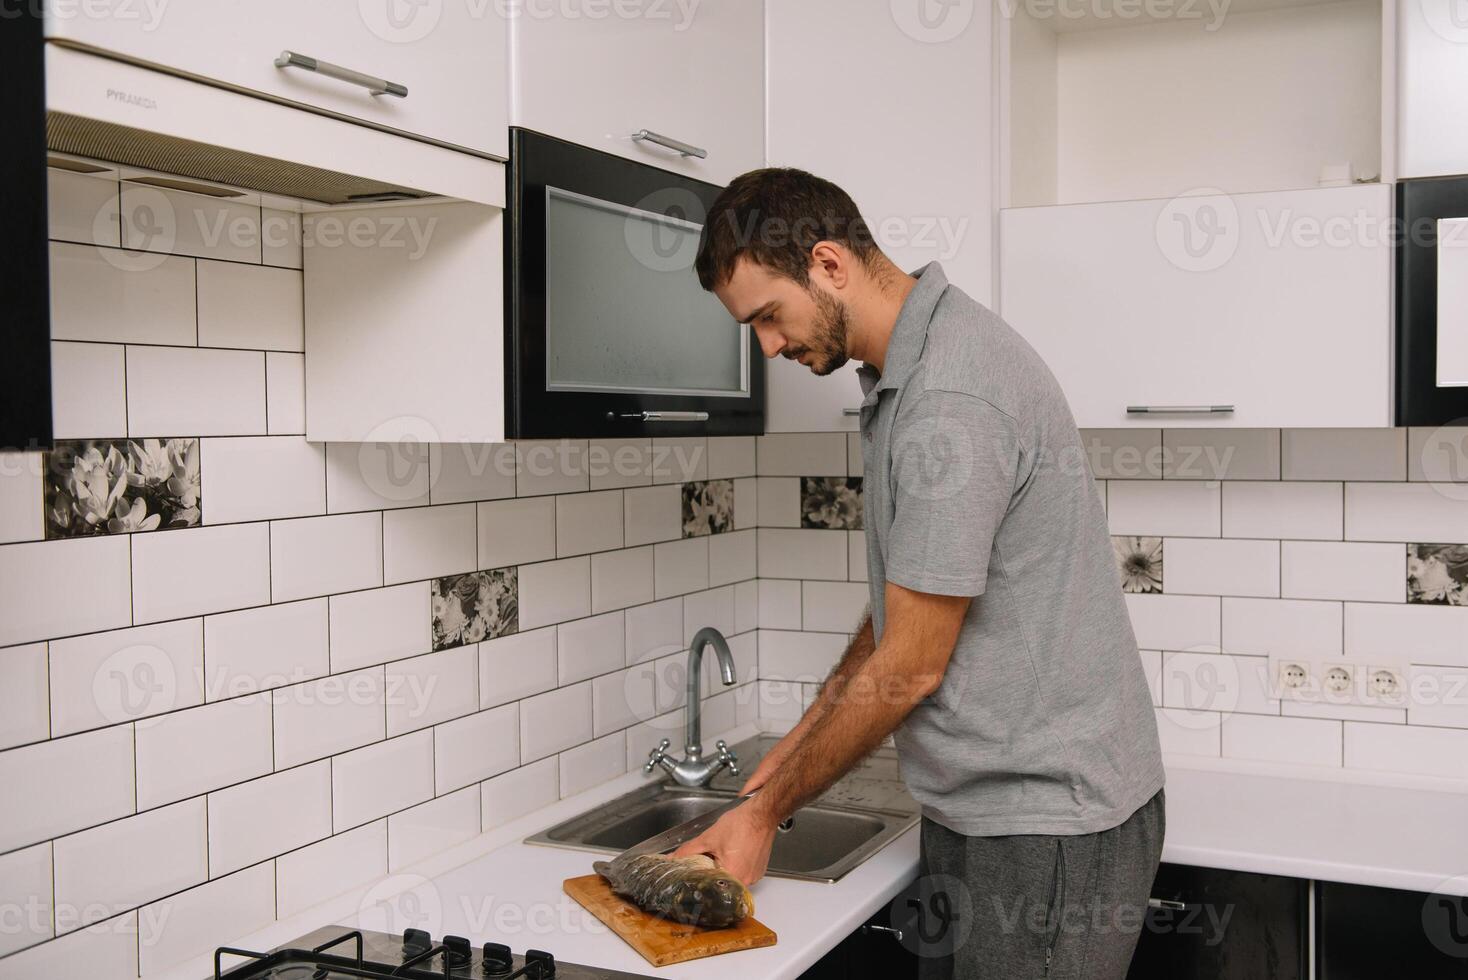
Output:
(790, 320)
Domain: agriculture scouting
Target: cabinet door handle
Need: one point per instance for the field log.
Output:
(1162, 903)
(663, 416)
(851, 411)
(373, 84)
(1179, 409)
(678, 146)
(871, 927)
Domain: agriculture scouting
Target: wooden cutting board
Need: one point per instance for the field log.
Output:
(662, 941)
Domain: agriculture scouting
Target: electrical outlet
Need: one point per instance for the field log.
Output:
(1292, 676)
(1385, 685)
(1338, 680)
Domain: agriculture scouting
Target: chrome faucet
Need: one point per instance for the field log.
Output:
(693, 770)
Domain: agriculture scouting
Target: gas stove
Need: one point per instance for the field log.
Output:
(338, 952)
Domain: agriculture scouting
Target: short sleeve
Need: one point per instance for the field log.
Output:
(954, 462)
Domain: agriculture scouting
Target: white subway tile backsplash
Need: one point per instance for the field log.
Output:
(89, 392)
(105, 678)
(550, 466)
(587, 522)
(375, 476)
(680, 567)
(379, 625)
(108, 949)
(833, 607)
(433, 688)
(1221, 454)
(1171, 508)
(39, 583)
(164, 220)
(518, 792)
(1344, 454)
(24, 698)
(1168, 622)
(202, 919)
(781, 702)
(1217, 682)
(1283, 510)
(338, 864)
(802, 454)
(285, 394)
(175, 391)
(315, 556)
(1282, 627)
(199, 749)
(266, 647)
(200, 570)
(1124, 454)
(25, 890)
(1405, 512)
(595, 762)
(264, 817)
(621, 578)
(732, 557)
(1425, 634)
(794, 656)
(254, 307)
(653, 514)
(712, 608)
(467, 472)
(280, 238)
(515, 532)
(1306, 741)
(83, 208)
(779, 501)
(257, 478)
(21, 495)
(327, 716)
(517, 666)
(471, 749)
(654, 630)
(1190, 732)
(623, 698)
(101, 761)
(123, 864)
(555, 592)
(780, 604)
(376, 780)
(746, 503)
(1406, 748)
(108, 295)
(555, 721)
(680, 460)
(746, 605)
(1438, 696)
(428, 542)
(431, 827)
(1343, 570)
(856, 556)
(854, 463)
(1221, 566)
(730, 456)
(803, 554)
(588, 647)
(616, 463)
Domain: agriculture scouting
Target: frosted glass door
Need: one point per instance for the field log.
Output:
(624, 309)
(1452, 302)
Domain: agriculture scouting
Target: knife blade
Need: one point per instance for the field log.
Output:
(683, 832)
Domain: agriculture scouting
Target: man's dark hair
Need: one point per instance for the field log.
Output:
(775, 217)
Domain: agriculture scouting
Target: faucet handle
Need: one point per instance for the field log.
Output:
(656, 756)
(727, 758)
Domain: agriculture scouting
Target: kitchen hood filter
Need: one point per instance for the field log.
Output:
(67, 133)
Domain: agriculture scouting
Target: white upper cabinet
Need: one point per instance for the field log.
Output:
(1198, 210)
(690, 73)
(894, 105)
(1432, 73)
(446, 62)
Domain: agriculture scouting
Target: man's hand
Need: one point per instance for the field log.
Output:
(739, 843)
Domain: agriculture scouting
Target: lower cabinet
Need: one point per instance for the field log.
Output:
(872, 951)
(1368, 933)
(1228, 925)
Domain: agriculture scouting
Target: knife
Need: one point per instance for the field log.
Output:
(684, 832)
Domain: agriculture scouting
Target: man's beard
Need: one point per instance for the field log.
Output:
(828, 339)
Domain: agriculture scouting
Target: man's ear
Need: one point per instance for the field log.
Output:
(832, 262)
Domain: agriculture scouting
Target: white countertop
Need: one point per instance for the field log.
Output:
(1366, 828)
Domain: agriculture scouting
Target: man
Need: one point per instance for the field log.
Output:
(997, 646)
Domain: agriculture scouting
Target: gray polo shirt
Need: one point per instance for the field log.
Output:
(977, 485)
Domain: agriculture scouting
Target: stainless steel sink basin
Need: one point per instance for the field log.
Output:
(820, 843)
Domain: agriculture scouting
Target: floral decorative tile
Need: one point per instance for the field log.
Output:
(708, 507)
(831, 502)
(1438, 573)
(120, 486)
(475, 606)
(1140, 563)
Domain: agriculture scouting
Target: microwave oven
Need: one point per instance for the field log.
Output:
(1431, 244)
(608, 332)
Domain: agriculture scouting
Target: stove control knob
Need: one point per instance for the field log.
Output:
(416, 941)
(497, 960)
(544, 962)
(457, 950)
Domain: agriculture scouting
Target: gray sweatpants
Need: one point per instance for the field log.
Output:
(1029, 906)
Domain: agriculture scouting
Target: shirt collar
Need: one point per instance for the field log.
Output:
(909, 333)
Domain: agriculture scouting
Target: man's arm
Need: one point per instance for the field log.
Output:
(873, 698)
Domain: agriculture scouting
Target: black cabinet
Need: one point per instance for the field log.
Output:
(872, 951)
(25, 297)
(1223, 925)
(1365, 933)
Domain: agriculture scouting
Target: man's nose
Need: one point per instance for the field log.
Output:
(770, 342)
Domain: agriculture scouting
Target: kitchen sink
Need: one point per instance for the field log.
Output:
(821, 842)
